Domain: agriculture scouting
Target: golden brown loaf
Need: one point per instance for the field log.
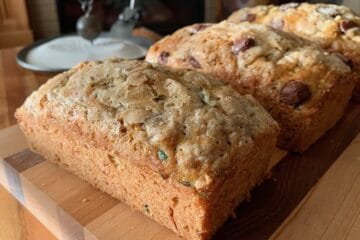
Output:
(175, 144)
(303, 87)
(335, 28)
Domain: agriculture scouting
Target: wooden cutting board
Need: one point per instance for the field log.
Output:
(293, 204)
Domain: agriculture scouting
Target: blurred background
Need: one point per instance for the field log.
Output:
(23, 21)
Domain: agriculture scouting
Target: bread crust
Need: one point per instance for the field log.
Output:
(264, 63)
(124, 170)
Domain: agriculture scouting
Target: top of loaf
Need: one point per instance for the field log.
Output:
(276, 67)
(334, 27)
(181, 123)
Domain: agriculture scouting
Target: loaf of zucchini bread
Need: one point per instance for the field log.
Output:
(305, 88)
(178, 145)
(335, 28)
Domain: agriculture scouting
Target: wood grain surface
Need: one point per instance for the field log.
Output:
(331, 210)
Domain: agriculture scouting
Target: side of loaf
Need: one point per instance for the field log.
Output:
(336, 28)
(178, 145)
(304, 88)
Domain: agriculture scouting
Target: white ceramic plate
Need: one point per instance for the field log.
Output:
(62, 53)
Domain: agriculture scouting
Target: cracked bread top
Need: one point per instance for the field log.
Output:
(181, 123)
(274, 66)
(336, 28)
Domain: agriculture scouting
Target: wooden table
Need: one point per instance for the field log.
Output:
(330, 210)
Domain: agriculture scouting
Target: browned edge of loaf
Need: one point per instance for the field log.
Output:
(173, 205)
